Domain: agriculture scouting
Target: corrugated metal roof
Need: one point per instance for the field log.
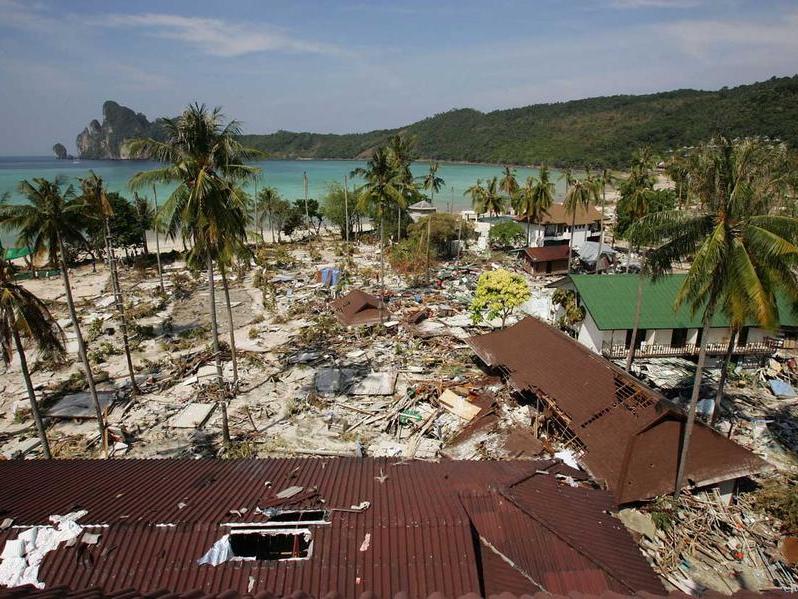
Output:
(610, 299)
(357, 308)
(158, 517)
(29, 592)
(557, 215)
(611, 413)
(547, 253)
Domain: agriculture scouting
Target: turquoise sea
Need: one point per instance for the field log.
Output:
(285, 175)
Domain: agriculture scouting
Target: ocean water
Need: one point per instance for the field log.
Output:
(285, 175)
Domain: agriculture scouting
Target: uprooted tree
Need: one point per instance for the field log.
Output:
(498, 294)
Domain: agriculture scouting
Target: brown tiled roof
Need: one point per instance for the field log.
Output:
(156, 518)
(547, 253)
(557, 215)
(357, 308)
(631, 433)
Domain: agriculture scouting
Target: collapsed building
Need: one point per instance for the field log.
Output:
(345, 526)
(625, 434)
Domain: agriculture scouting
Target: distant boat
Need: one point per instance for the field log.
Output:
(76, 161)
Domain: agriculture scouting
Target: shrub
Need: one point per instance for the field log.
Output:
(498, 294)
(507, 234)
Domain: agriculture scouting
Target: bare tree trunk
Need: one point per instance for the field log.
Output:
(723, 375)
(34, 407)
(601, 228)
(230, 322)
(528, 231)
(120, 306)
(158, 242)
(571, 241)
(630, 355)
(688, 429)
(398, 223)
(429, 227)
(217, 359)
(382, 268)
(307, 213)
(84, 358)
(346, 207)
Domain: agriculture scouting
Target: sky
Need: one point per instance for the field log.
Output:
(356, 65)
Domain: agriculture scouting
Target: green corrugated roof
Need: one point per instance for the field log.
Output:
(611, 300)
(14, 253)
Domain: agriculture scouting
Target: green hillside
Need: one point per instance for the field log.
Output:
(595, 131)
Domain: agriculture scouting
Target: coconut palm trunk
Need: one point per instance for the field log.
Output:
(217, 358)
(688, 428)
(723, 375)
(120, 306)
(382, 268)
(34, 406)
(571, 240)
(601, 229)
(630, 355)
(528, 230)
(226, 289)
(84, 358)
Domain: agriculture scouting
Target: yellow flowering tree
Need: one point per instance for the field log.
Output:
(498, 293)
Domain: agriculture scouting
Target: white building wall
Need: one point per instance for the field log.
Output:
(589, 334)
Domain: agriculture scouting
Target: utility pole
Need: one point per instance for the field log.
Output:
(157, 240)
(346, 207)
(429, 228)
(307, 214)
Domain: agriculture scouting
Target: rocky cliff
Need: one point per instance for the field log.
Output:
(106, 140)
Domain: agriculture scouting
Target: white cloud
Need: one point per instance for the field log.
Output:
(217, 37)
(655, 3)
(701, 37)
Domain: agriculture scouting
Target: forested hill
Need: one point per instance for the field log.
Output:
(595, 131)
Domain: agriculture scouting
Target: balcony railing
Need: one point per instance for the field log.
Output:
(656, 350)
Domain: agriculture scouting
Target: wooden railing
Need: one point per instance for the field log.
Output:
(656, 350)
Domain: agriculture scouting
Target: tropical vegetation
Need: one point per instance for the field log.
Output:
(743, 248)
(203, 156)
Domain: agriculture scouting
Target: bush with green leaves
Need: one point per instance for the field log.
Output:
(443, 228)
(507, 234)
(498, 294)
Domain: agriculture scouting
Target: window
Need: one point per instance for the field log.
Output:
(271, 545)
(679, 338)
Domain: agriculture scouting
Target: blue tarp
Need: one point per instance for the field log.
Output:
(781, 388)
(330, 276)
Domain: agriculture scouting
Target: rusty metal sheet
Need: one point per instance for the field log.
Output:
(607, 410)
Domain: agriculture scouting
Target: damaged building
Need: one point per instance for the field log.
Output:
(342, 526)
(624, 433)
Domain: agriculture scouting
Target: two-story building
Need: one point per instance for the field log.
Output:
(609, 303)
(555, 227)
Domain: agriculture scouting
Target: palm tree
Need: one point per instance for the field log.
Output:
(477, 193)
(508, 183)
(266, 202)
(432, 181)
(490, 200)
(206, 160)
(145, 216)
(49, 221)
(401, 150)
(581, 194)
(742, 252)
(544, 192)
(383, 186)
(532, 202)
(605, 178)
(96, 200)
(22, 313)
